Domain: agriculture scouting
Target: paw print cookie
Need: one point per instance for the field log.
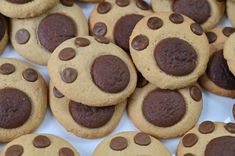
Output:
(23, 99)
(230, 7)
(39, 144)
(3, 33)
(36, 38)
(205, 12)
(229, 53)
(208, 139)
(165, 113)
(131, 143)
(115, 19)
(83, 120)
(25, 8)
(169, 58)
(92, 71)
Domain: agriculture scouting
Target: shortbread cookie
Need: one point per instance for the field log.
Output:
(25, 8)
(131, 143)
(209, 139)
(23, 99)
(3, 33)
(115, 19)
(92, 71)
(82, 120)
(36, 38)
(229, 53)
(218, 36)
(205, 12)
(230, 8)
(37, 145)
(165, 113)
(169, 49)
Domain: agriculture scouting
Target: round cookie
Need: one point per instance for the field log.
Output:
(205, 12)
(25, 8)
(36, 38)
(82, 120)
(218, 36)
(229, 52)
(92, 71)
(173, 57)
(3, 33)
(115, 19)
(23, 99)
(230, 8)
(39, 144)
(209, 139)
(131, 143)
(165, 113)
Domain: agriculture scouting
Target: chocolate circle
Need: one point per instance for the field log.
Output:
(19, 1)
(188, 154)
(175, 56)
(41, 141)
(198, 10)
(57, 93)
(154, 23)
(102, 39)
(118, 143)
(7, 68)
(55, 29)
(69, 75)
(2, 27)
(122, 3)
(110, 73)
(68, 3)
(142, 5)
(100, 29)
(82, 42)
(15, 108)
(123, 29)
(196, 29)
(66, 152)
(189, 140)
(219, 73)
(176, 18)
(15, 150)
(104, 7)
(230, 127)
(30, 75)
(164, 108)
(195, 93)
(211, 36)
(90, 117)
(221, 146)
(67, 54)
(227, 31)
(22, 36)
(142, 139)
(206, 127)
(140, 42)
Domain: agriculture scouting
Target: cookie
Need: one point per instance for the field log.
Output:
(229, 52)
(92, 71)
(131, 143)
(3, 33)
(233, 111)
(230, 8)
(82, 120)
(165, 113)
(39, 144)
(218, 36)
(23, 99)
(36, 38)
(209, 139)
(205, 12)
(169, 49)
(25, 8)
(115, 19)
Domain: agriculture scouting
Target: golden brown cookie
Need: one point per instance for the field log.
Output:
(115, 19)
(169, 49)
(230, 7)
(208, 139)
(205, 12)
(165, 113)
(36, 38)
(3, 33)
(229, 53)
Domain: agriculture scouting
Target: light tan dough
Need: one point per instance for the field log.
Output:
(5, 38)
(230, 7)
(229, 52)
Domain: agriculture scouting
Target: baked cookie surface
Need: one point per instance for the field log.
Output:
(165, 113)
(39, 144)
(229, 53)
(3, 33)
(209, 139)
(131, 143)
(230, 8)
(36, 38)
(23, 99)
(169, 58)
(92, 71)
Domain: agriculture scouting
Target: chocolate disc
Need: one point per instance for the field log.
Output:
(206, 127)
(164, 108)
(22, 36)
(69, 75)
(66, 152)
(30, 75)
(90, 117)
(41, 141)
(15, 150)
(176, 18)
(227, 31)
(196, 29)
(196, 93)
(118, 143)
(2, 26)
(142, 139)
(19, 1)
(100, 29)
(140, 42)
(68, 3)
(189, 140)
(82, 42)
(7, 68)
(155, 23)
(211, 36)
(15, 108)
(57, 93)
(122, 3)
(67, 54)
(104, 7)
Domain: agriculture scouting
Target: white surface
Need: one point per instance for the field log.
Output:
(216, 108)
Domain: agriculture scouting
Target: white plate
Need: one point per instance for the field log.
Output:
(216, 108)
